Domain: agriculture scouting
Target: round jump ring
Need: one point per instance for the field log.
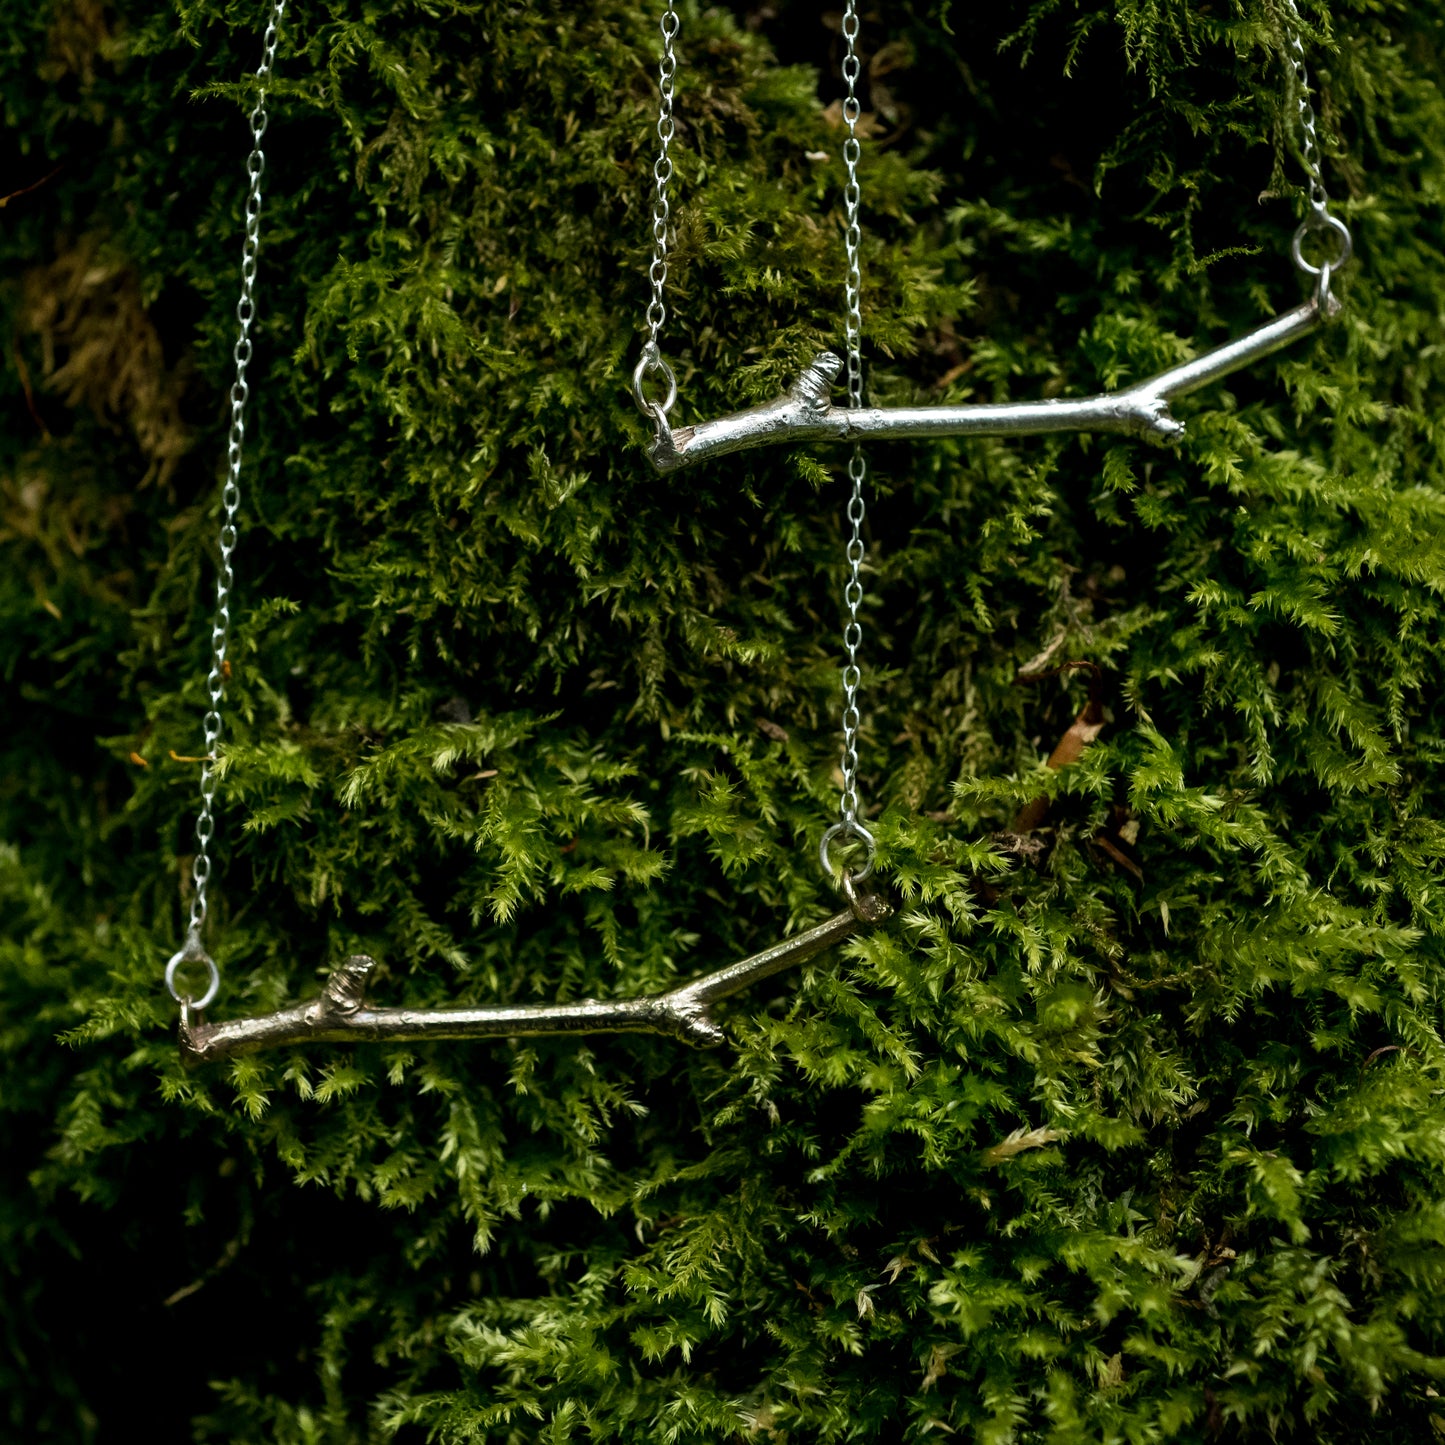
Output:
(854, 829)
(652, 360)
(1332, 224)
(192, 952)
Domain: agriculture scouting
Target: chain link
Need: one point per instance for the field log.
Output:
(849, 825)
(1319, 219)
(192, 951)
(652, 363)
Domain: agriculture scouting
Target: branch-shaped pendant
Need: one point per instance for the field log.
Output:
(341, 1014)
(805, 412)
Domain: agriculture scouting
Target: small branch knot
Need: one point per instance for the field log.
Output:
(345, 990)
(869, 909)
(1149, 418)
(814, 387)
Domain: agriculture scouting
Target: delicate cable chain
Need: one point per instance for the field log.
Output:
(1295, 54)
(849, 802)
(193, 951)
(852, 196)
(652, 362)
(1320, 217)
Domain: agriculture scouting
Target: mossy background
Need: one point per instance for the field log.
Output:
(1131, 1128)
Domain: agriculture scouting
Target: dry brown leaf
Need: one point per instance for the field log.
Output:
(1081, 732)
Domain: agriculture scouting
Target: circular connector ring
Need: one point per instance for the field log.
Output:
(192, 952)
(653, 361)
(853, 829)
(1331, 225)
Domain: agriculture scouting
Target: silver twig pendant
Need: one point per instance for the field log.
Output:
(341, 1014)
(805, 412)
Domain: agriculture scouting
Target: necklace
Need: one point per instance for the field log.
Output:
(805, 411)
(341, 1014)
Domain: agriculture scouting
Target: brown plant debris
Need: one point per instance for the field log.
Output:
(100, 350)
(1081, 732)
(1114, 842)
(79, 33)
(34, 186)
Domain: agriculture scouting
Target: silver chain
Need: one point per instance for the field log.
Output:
(1319, 219)
(192, 951)
(849, 825)
(852, 197)
(652, 362)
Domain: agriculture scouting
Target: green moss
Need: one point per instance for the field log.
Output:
(1126, 1130)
